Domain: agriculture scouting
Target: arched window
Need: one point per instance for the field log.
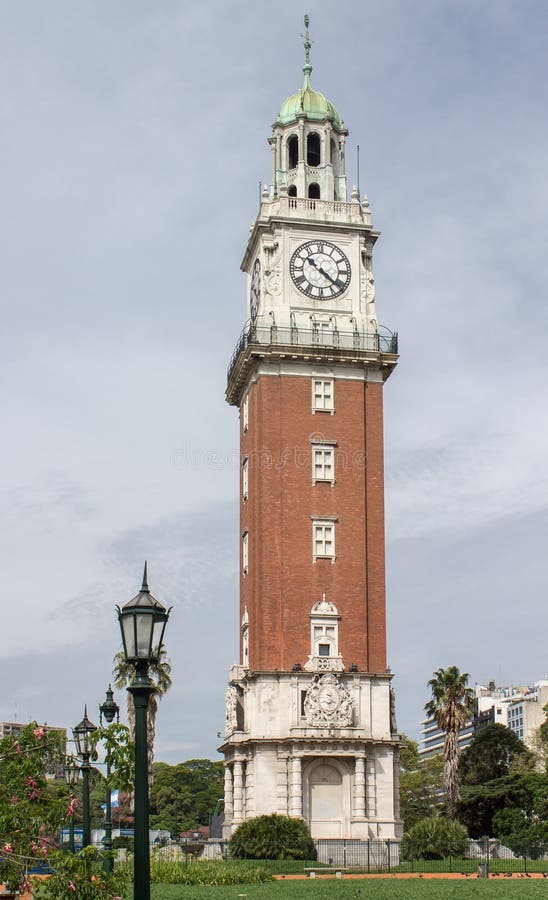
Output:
(314, 191)
(293, 151)
(313, 149)
(292, 191)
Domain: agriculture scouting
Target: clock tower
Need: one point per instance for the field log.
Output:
(310, 724)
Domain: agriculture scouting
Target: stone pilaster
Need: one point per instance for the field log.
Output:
(371, 787)
(238, 790)
(229, 801)
(250, 789)
(358, 805)
(295, 787)
(281, 785)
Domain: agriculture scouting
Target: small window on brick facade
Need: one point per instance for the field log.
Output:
(245, 478)
(323, 463)
(245, 413)
(245, 552)
(323, 539)
(322, 395)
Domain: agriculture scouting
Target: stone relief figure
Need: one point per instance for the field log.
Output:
(273, 271)
(393, 724)
(231, 719)
(367, 291)
(327, 702)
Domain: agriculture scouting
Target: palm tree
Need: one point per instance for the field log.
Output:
(451, 706)
(160, 675)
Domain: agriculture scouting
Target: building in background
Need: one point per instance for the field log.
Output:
(310, 722)
(13, 729)
(519, 708)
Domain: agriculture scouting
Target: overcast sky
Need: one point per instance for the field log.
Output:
(133, 143)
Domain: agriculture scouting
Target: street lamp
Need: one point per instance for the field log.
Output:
(82, 736)
(108, 710)
(142, 623)
(72, 774)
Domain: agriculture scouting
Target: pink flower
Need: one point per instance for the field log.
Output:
(39, 732)
(31, 781)
(73, 806)
(72, 886)
(18, 748)
(14, 799)
(7, 848)
(35, 847)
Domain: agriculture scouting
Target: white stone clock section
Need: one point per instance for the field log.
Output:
(311, 273)
(300, 721)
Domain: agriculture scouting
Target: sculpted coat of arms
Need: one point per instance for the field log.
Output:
(327, 702)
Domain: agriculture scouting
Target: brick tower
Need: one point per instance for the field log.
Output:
(310, 725)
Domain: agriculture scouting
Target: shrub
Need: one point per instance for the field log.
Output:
(272, 837)
(435, 838)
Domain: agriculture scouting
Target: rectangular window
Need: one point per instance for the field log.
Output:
(323, 649)
(245, 413)
(245, 478)
(245, 552)
(323, 540)
(323, 463)
(322, 395)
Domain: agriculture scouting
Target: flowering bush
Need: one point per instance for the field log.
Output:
(30, 816)
(80, 877)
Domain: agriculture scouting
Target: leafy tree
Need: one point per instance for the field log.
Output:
(435, 838)
(524, 826)
(184, 796)
(272, 837)
(451, 706)
(160, 675)
(421, 783)
(491, 754)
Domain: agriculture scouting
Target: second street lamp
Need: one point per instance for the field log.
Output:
(82, 736)
(109, 710)
(72, 774)
(142, 623)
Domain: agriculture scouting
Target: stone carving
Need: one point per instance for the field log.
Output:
(273, 269)
(367, 288)
(324, 608)
(393, 723)
(231, 720)
(327, 702)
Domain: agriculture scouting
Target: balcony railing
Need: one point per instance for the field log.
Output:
(321, 342)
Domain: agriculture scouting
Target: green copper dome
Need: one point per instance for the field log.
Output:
(307, 101)
(313, 104)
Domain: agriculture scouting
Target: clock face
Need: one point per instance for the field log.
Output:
(320, 270)
(255, 290)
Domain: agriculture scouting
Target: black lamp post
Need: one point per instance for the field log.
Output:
(72, 774)
(82, 736)
(142, 623)
(109, 710)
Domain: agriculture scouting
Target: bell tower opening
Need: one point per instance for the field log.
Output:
(292, 191)
(314, 191)
(292, 151)
(313, 149)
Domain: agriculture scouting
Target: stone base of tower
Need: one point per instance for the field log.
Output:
(287, 751)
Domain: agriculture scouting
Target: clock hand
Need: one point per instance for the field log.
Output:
(311, 261)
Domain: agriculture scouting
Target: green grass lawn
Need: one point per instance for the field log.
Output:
(369, 889)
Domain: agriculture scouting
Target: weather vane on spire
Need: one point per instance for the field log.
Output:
(307, 41)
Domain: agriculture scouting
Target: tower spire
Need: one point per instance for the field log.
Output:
(307, 68)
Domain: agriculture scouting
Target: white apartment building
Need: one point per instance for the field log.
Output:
(520, 708)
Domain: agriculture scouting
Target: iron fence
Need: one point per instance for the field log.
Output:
(488, 856)
(323, 341)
